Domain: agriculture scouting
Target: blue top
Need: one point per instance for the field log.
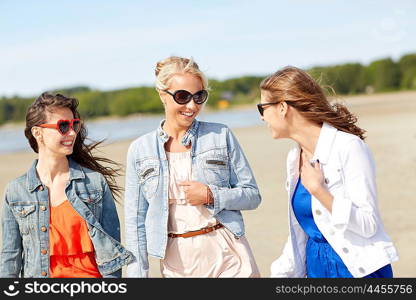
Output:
(321, 259)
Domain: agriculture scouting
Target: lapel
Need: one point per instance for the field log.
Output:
(325, 142)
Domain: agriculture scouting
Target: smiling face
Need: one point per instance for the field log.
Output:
(49, 140)
(275, 116)
(178, 115)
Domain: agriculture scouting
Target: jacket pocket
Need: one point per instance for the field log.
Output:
(148, 172)
(22, 212)
(93, 200)
(216, 170)
(91, 197)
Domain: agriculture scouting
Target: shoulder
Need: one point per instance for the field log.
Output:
(346, 143)
(352, 151)
(143, 143)
(212, 127)
(18, 189)
(92, 175)
(94, 180)
(344, 138)
(145, 138)
(215, 134)
(17, 184)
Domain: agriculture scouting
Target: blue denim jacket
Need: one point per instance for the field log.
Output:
(25, 223)
(217, 160)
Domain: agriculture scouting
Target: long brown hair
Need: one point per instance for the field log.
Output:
(303, 93)
(82, 152)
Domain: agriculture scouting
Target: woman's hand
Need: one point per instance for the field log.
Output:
(312, 176)
(313, 180)
(196, 193)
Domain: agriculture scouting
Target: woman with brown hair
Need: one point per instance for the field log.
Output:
(59, 219)
(335, 229)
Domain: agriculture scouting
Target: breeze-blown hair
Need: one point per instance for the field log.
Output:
(302, 92)
(82, 153)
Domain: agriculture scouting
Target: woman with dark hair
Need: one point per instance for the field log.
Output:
(335, 228)
(59, 219)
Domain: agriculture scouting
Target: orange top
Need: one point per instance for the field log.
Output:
(70, 247)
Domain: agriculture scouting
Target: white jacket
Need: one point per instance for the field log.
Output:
(354, 228)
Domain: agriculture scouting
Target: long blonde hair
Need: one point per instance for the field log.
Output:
(302, 92)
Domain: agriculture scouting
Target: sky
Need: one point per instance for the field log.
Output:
(114, 44)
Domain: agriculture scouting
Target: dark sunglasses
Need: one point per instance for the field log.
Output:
(261, 106)
(64, 126)
(183, 97)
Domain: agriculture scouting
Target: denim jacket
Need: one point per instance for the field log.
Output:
(217, 160)
(25, 223)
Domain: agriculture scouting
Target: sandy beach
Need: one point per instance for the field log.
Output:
(390, 121)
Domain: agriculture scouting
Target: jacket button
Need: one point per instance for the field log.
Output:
(43, 207)
(318, 212)
(43, 228)
(361, 270)
(44, 251)
(345, 250)
(44, 273)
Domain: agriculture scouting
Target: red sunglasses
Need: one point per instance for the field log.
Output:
(64, 126)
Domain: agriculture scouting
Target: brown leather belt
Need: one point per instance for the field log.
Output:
(196, 232)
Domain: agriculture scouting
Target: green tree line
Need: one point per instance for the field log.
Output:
(351, 78)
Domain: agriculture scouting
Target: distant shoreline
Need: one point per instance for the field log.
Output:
(208, 110)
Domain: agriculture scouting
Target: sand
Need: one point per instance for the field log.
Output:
(390, 121)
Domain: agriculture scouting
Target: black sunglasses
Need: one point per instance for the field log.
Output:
(183, 97)
(261, 106)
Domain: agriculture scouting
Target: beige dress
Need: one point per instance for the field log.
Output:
(214, 254)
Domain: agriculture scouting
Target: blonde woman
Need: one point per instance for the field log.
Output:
(186, 183)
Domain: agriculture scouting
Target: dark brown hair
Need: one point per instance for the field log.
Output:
(82, 152)
(303, 93)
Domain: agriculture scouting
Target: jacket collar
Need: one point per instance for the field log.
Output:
(187, 138)
(325, 142)
(33, 181)
(323, 148)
